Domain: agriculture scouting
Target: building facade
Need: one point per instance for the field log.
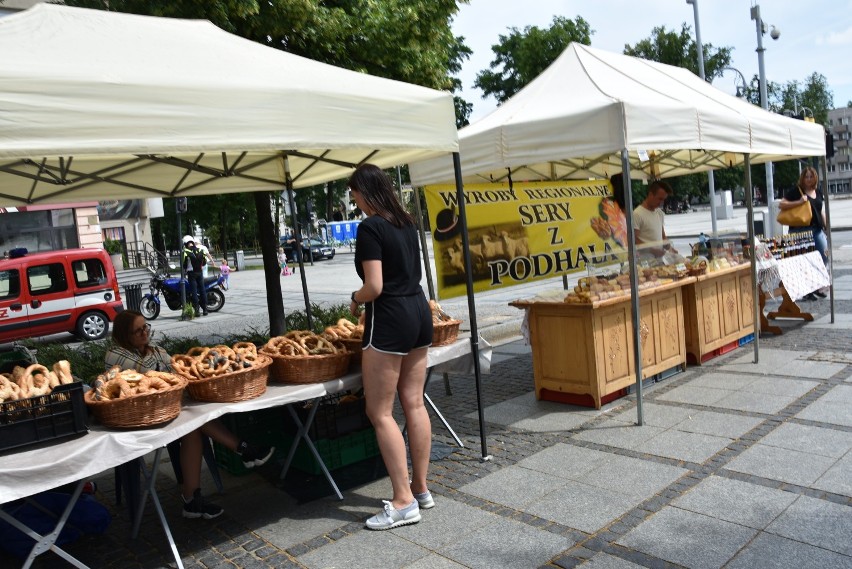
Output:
(839, 165)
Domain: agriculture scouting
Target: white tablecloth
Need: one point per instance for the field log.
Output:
(800, 275)
(31, 470)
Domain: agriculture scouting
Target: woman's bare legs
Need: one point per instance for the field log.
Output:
(220, 433)
(190, 462)
(383, 374)
(191, 450)
(412, 379)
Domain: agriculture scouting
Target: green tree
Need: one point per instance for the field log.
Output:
(460, 53)
(522, 55)
(680, 50)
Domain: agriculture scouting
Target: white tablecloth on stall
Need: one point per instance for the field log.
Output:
(30, 470)
(458, 357)
(800, 275)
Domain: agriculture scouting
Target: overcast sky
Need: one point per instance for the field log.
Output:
(815, 35)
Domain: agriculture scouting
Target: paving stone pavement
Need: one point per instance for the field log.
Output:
(737, 465)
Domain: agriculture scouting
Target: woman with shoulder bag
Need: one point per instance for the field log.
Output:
(808, 191)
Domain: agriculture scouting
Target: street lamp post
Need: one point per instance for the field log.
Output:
(764, 101)
(711, 180)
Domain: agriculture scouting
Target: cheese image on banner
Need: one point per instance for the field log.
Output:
(523, 232)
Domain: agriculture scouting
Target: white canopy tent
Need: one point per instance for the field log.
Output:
(574, 120)
(592, 114)
(105, 105)
(97, 105)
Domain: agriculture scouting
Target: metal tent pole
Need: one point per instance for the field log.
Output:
(749, 198)
(828, 236)
(634, 283)
(471, 303)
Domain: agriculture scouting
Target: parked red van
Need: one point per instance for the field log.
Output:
(72, 290)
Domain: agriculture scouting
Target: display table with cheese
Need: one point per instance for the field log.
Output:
(582, 344)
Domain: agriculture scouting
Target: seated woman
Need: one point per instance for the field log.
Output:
(132, 350)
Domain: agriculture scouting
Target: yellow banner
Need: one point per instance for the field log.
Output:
(531, 231)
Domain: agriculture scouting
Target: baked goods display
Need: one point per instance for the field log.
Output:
(438, 314)
(445, 328)
(126, 398)
(301, 356)
(119, 383)
(223, 374)
(206, 362)
(302, 343)
(344, 330)
(33, 381)
(593, 289)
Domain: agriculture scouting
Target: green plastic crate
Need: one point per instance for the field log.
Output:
(335, 453)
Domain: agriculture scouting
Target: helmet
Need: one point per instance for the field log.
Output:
(187, 239)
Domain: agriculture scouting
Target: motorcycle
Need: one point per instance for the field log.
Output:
(169, 287)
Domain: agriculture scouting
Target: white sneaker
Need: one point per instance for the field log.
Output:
(425, 500)
(390, 517)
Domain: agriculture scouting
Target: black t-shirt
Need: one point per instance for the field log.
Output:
(793, 195)
(396, 248)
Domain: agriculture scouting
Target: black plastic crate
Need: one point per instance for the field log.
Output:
(59, 414)
(338, 415)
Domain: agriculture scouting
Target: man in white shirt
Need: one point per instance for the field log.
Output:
(648, 217)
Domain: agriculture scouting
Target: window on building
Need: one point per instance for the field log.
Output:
(46, 230)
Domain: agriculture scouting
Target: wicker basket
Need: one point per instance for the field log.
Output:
(445, 332)
(354, 345)
(235, 386)
(308, 369)
(144, 410)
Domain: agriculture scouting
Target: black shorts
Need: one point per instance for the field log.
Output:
(398, 324)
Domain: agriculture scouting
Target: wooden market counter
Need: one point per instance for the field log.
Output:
(718, 310)
(583, 353)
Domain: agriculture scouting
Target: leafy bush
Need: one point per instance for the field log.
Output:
(87, 359)
(112, 246)
(322, 317)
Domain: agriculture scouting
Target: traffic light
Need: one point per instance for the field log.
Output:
(180, 205)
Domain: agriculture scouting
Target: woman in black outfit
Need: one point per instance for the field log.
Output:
(808, 183)
(397, 335)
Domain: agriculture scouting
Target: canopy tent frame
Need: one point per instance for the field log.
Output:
(613, 113)
(99, 104)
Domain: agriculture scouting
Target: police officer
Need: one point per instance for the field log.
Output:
(193, 262)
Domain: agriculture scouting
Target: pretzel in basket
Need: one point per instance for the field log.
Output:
(182, 364)
(344, 330)
(283, 346)
(117, 383)
(209, 362)
(169, 378)
(317, 345)
(246, 350)
(438, 314)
